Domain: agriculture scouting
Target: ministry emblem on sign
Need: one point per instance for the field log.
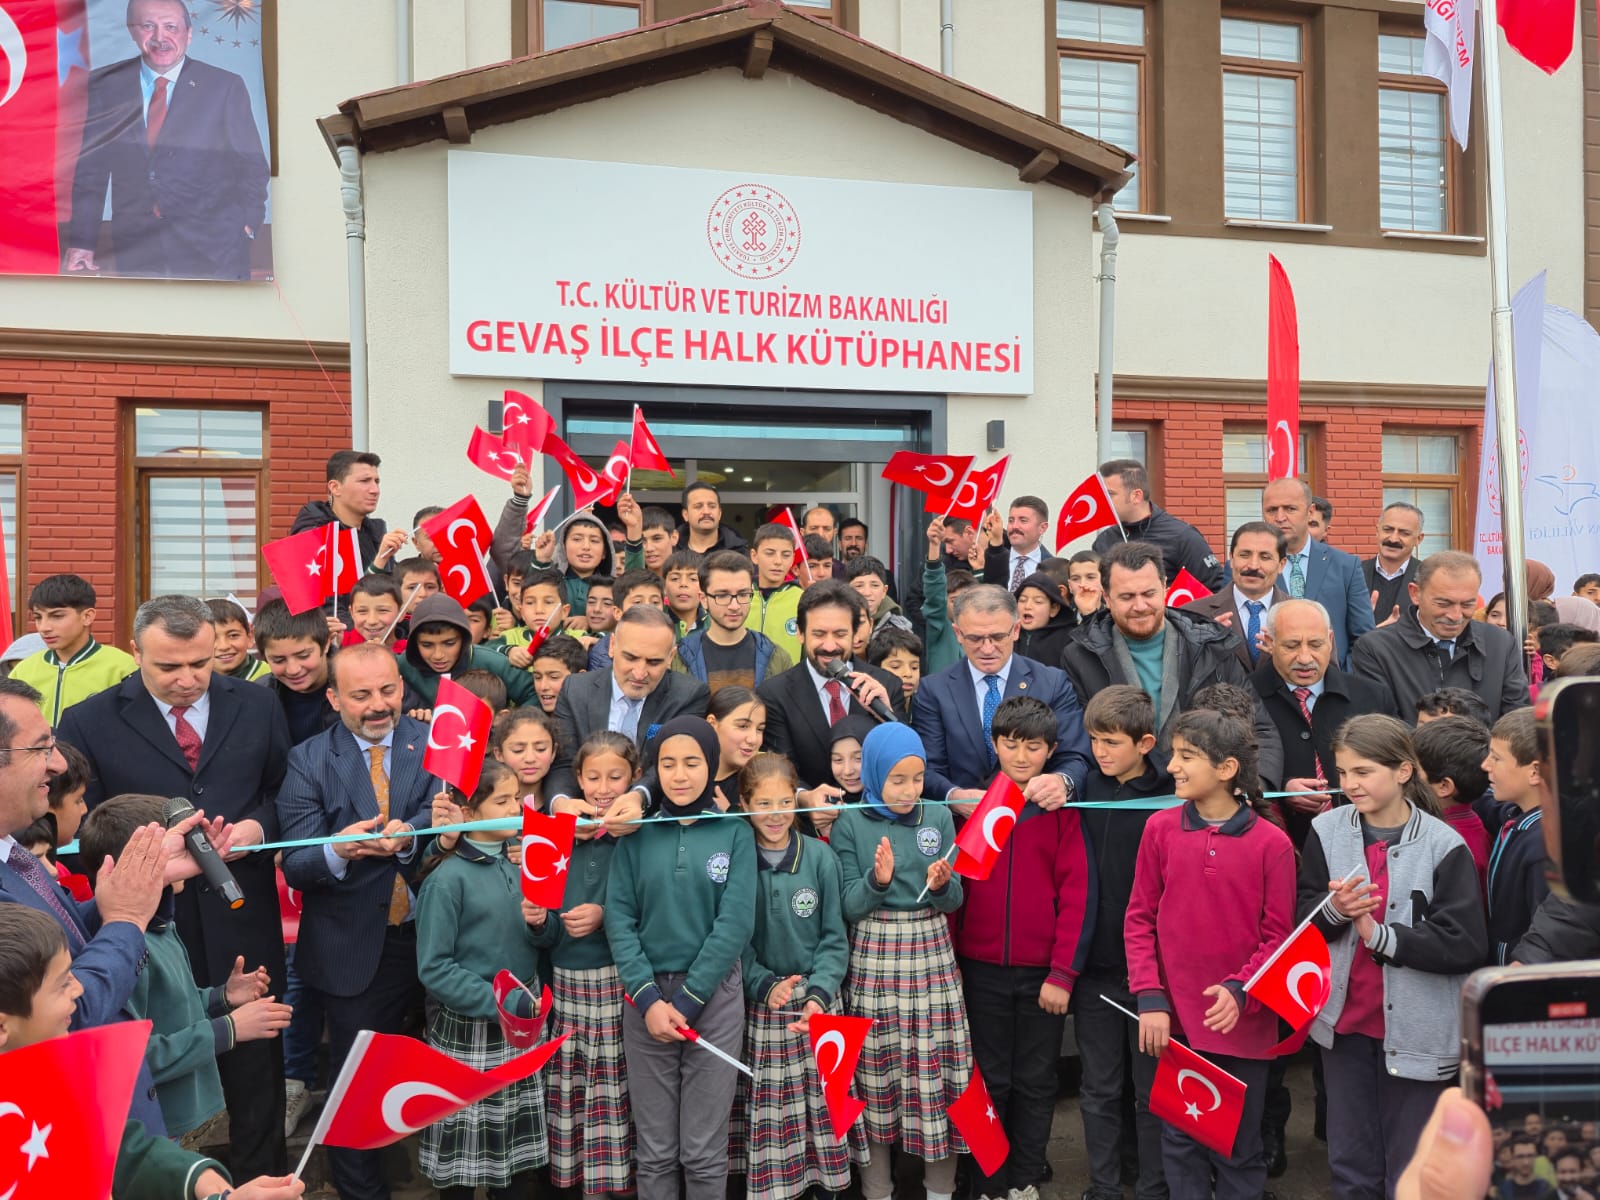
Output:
(753, 231)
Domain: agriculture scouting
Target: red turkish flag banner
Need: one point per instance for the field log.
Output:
(458, 736)
(1283, 375)
(495, 455)
(521, 1032)
(1087, 510)
(835, 1048)
(1197, 1097)
(30, 93)
(974, 1115)
(1185, 589)
(615, 474)
(1540, 30)
(644, 452)
(63, 1104)
(299, 566)
(462, 536)
(1296, 981)
(973, 496)
(344, 551)
(546, 853)
(526, 423)
(940, 473)
(588, 485)
(537, 511)
(391, 1086)
(7, 619)
(988, 829)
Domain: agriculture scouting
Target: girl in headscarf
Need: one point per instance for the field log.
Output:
(1541, 580)
(680, 908)
(917, 1057)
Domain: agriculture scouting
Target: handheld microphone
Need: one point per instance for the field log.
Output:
(835, 668)
(203, 852)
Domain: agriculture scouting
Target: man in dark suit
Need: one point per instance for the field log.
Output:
(952, 708)
(637, 696)
(803, 704)
(176, 140)
(1392, 571)
(1020, 551)
(357, 952)
(1313, 570)
(176, 728)
(1255, 558)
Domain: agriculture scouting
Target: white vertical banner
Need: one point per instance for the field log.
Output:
(1447, 53)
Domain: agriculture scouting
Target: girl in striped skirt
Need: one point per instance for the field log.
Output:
(918, 1054)
(469, 928)
(780, 1136)
(586, 1088)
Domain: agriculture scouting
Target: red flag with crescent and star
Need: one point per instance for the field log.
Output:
(495, 455)
(391, 1086)
(299, 566)
(58, 1136)
(537, 511)
(458, 735)
(588, 485)
(974, 1115)
(927, 472)
(1197, 1097)
(973, 496)
(1087, 510)
(644, 452)
(615, 474)
(546, 853)
(30, 91)
(1540, 30)
(1283, 375)
(1295, 982)
(521, 1032)
(526, 423)
(835, 1046)
(1185, 589)
(989, 827)
(462, 536)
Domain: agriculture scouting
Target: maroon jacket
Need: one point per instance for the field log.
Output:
(1036, 909)
(1230, 893)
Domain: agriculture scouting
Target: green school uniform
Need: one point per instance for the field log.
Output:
(470, 927)
(920, 836)
(799, 926)
(587, 877)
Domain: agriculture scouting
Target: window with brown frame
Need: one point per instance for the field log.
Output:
(822, 10)
(552, 24)
(1101, 81)
(1244, 472)
(1415, 164)
(12, 520)
(1263, 119)
(200, 487)
(1423, 468)
(1141, 441)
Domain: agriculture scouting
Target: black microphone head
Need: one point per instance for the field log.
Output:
(175, 810)
(836, 668)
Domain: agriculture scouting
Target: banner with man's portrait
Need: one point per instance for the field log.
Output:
(133, 139)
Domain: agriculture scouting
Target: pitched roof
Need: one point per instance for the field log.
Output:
(756, 36)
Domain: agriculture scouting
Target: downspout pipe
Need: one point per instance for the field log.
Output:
(355, 237)
(1109, 236)
(947, 37)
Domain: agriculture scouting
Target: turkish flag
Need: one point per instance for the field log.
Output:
(462, 537)
(1281, 983)
(63, 1103)
(546, 853)
(939, 473)
(1540, 30)
(526, 423)
(8, 622)
(291, 904)
(537, 511)
(644, 452)
(1087, 510)
(973, 496)
(542, 634)
(785, 517)
(1185, 589)
(1197, 1097)
(988, 829)
(615, 473)
(835, 1047)
(1283, 375)
(391, 1086)
(588, 485)
(521, 1032)
(299, 566)
(974, 1115)
(458, 735)
(497, 456)
(29, 94)
(345, 552)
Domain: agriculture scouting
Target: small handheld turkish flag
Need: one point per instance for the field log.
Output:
(391, 1086)
(1296, 981)
(835, 1046)
(588, 485)
(300, 568)
(785, 517)
(520, 1031)
(344, 551)
(1197, 1097)
(70, 1098)
(644, 451)
(1087, 510)
(495, 455)
(973, 496)
(461, 527)
(615, 474)
(975, 1116)
(546, 853)
(939, 473)
(457, 736)
(526, 423)
(988, 829)
(1185, 589)
(537, 511)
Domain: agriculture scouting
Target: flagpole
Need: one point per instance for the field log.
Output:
(399, 616)
(1502, 343)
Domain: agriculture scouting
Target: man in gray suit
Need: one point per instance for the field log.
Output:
(1313, 570)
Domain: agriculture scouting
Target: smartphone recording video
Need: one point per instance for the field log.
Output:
(1568, 715)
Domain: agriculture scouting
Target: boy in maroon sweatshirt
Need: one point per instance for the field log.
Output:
(1019, 939)
(1451, 751)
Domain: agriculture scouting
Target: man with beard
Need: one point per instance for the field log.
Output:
(357, 953)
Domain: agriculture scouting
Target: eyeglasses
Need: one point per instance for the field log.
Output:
(985, 639)
(48, 748)
(730, 597)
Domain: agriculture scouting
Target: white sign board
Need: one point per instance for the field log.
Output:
(566, 269)
(1542, 1044)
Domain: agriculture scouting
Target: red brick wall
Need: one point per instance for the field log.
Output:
(78, 477)
(1347, 448)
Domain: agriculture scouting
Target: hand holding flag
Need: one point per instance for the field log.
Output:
(1087, 510)
(521, 1031)
(458, 736)
(1197, 1097)
(984, 836)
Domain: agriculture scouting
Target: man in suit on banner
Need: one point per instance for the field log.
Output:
(178, 143)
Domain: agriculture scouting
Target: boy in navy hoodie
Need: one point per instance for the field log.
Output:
(1020, 955)
(1121, 722)
(1511, 812)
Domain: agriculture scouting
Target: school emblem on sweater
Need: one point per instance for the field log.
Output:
(717, 867)
(754, 231)
(928, 840)
(804, 903)
(792, 627)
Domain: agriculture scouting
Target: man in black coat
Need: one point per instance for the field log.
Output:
(177, 728)
(1182, 546)
(353, 490)
(1390, 573)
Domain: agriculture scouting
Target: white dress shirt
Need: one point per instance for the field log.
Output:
(147, 84)
(198, 716)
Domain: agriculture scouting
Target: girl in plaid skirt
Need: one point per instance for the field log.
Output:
(469, 927)
(586, 1088)
(918, 1054)
(780, 1135)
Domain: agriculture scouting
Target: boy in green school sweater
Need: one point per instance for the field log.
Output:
(72, 666)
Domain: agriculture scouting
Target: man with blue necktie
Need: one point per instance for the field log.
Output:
(1313, 570)
(1255, 559)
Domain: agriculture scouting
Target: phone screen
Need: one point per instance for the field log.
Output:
(1569, 727)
